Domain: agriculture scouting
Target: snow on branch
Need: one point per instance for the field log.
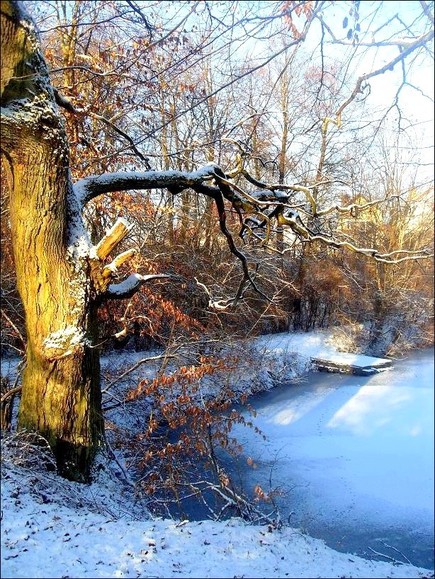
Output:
(131, 284)
(256, 209)
(117, 262)
(393, 257)
(93, 186)
(175, 181)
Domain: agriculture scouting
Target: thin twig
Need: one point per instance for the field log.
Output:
(397, 551)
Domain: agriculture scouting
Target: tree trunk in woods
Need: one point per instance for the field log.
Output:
(60, 388)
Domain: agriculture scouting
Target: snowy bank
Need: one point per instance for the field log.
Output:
(76, 531)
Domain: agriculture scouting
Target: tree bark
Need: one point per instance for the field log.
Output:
(60, 390)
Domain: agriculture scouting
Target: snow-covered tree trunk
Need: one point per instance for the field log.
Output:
(60, 390)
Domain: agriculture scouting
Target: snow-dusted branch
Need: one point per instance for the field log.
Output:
(130, 286)
(102, 274)
(91, 187)
(389, 258)
(256, 210)
(175, 181)
(353, 207)
(112, 268)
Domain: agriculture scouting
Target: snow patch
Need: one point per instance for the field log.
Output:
(126, 286)
(66, 337)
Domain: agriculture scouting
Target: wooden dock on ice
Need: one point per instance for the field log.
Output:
(351, 364)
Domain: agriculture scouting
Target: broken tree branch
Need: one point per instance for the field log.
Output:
(112, 238)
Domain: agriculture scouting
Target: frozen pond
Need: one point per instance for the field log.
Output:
(354, 456)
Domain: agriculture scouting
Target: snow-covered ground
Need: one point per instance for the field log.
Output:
(55, 528)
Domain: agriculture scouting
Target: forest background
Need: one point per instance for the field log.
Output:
(177, 85)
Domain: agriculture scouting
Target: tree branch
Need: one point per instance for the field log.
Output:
(270, 197)
(90, 187)
(128, 287)
(112, 268)
(406, 51)
(372, 252)
(112, 238)
(123, 134)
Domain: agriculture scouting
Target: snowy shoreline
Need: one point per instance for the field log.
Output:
(44, 537)
(56, 528)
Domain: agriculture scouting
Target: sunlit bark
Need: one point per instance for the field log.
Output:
(60, 388)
